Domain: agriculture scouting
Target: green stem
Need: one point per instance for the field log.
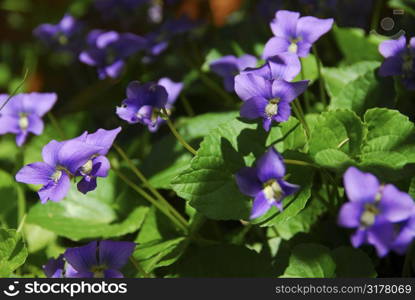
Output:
(376, 14)
(150, 199)
(320, 77)
(229, 101)
(15, 90)
(139, 268)
(300, 163)
(306, 95)
(181, 140)
(300, 115)
(187, 107)
(147, 184)
(55, 124)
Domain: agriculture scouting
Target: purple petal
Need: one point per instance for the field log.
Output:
(173, 89)
(266, 124)
(39, 103)
(103, 138)
(114, 70)
(285, 66)
(285, 24)
(55, 191)
(88, 57)
(310, 29)
(248, 182)
(133, 89)
(246, 61)
(225, 66)
(36, 173)
(113, 274)
(288, 91)
(284, 112)
(395, 206)
(9, 124)
(359, 237)
(391, 66)
(288, 188)
(54, 267)
(254, 108)
(270, 166)
(248, 86)
(74, 154)
(106, 38)
(405, 236)
(70, 272)
(101, 166)
(350, 214)
(381, 237)
(275, 46)
(87, 184)
(362, 187)
(35, 124)
(114, 254)
(393, 47)
(21, 138)
(50, 152)
(82, 259)
(260, 206)
(303, 48)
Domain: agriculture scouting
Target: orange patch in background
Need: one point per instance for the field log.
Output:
(221, 9)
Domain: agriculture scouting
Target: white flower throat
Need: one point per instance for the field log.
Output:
(293, 48)
(87, 167)
(368, 216)
(272, 107)
(272, 190)
(23, 121)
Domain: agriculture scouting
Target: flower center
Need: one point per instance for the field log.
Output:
(293, 48)
(272, 107)
(87, 167)
(98, 271)
(369, 215)
(23, 121)
(63, 39)
(56, 176)
(272, 190)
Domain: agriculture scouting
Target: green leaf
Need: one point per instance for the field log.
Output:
(390, 140)
(162, 166)
(37, 237)
(13, 252)
(333, 158)
(212, 55)
(364, 91)
(8, 197)
(102, 213)
(159, 253)
(309, 69)
(222, 261)
(302, 222)
(356, 46)
(340, 130)
(209, 183)
(336, 79)
(351, 262)
(310, 261)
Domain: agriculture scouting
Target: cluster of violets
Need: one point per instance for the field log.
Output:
(97, 259)
(383, 216)
(107, 51)
(268, 90)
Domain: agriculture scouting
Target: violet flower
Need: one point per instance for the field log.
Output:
(101, 259)
(267, 99)
(229, 66)
(23, 114)
(285, 66)
(294, 34)
(98, 165)
(54, 267)
(145, 101)
(65, 35)
(381, 213)
(108, 50)
(61, 162)
(399, 60)
(265, 183)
